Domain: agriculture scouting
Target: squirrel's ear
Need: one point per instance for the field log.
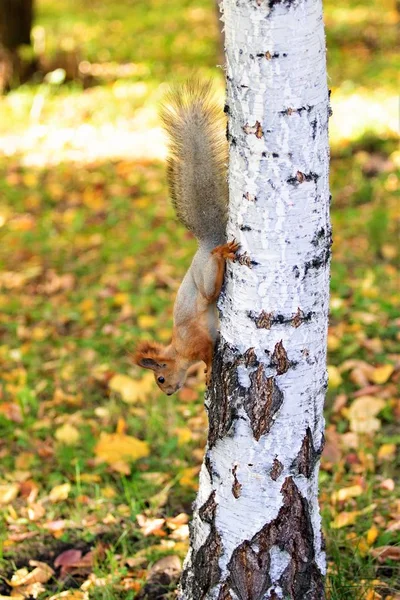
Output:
(148, 356)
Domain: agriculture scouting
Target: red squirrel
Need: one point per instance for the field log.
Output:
(198, 188)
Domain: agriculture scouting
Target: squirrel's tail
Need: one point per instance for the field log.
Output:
(197, 160)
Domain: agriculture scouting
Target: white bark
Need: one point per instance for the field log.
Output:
(266, 433)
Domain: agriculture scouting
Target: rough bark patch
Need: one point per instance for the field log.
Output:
(256, 129)
(224, 593)
(205, 571)
(292, 532)
(308, 456)
(263, 320)
(280, 359)
(262, 402)
(236, 485)
(277, 468)
(207, 511)
(221, 413)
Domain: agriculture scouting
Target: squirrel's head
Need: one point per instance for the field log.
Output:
(169, 373)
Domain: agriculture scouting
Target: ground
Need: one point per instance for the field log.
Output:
(94, 460)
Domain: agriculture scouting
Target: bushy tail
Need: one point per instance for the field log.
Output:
(197, 160)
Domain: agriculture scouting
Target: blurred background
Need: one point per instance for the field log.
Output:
(97, 469)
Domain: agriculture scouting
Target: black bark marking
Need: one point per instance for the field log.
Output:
(206, 570)
(292, 532)
(221, 413)
(301, 177)
(249, 197)
(289, 111)
(321, 260)
(208, 465)
(250, 358)
(300, 318)
(224, 593)
(280, 359)
(244, 259)
(314, 124)
(262, 402)
(236, 485)
(318, 236)
(245, 228)
(207, 511)
(262, 321)
(255, 129)
(307, 458)
(277, 468)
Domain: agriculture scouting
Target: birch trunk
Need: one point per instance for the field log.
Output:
(256, 530)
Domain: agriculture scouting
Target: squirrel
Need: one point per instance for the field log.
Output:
(196, 173)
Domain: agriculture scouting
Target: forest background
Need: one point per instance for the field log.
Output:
(98, 469)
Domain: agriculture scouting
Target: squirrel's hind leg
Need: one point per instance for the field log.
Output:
(209, 281)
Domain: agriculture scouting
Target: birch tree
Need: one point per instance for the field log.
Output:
(256, 530)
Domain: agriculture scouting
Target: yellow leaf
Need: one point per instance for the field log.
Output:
(146, 321)
(387, 451)
(184, 435)
(8, 492)
(60, 492)
(344, 519)
(333, 342)
(335, 379)
(40, 574)
(90, 477)
(362, 414)
(114, 447)
(67, 434)
(346, 493)
(188, 477)
(71, 595)
(382, 374)
(372, 535)
(132, 390)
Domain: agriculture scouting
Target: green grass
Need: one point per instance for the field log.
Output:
(90, 258)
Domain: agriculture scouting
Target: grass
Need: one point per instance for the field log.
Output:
(90, 257)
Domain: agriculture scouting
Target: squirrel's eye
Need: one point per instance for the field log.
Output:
(161, 379)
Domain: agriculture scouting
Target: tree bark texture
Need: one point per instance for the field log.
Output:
(256, 530)
(15, 23)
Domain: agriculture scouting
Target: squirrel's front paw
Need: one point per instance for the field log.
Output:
(228, 250)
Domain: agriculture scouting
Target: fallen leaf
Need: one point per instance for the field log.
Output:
(387, 452)
(40, 574)
(11, 411)
(382, 374)
(66, 559)
(132, 390)
(170, 564)
(344, 519)
(113, 447)
(71, 595)
(150, 526)
(67, 434)
(387, 484)
(384, 553)
(345, 493)
(372, 535)
(8, 492)
(362, 414)
(334, 377)
(60, 492)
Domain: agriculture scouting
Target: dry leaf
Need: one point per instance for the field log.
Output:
(387, 452)
(67, 434)
(67, 559)
(150, 526)
(382, 374)
(386, 553)
(11, 411)
(344, 519)
(334, 377)
(71, 595)
(362, 414)
(346, 493)
(114, 447)
(60, 492)
(372, 535)
(8, 492)
(170, 564)
(40, 574)
(132, 390)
